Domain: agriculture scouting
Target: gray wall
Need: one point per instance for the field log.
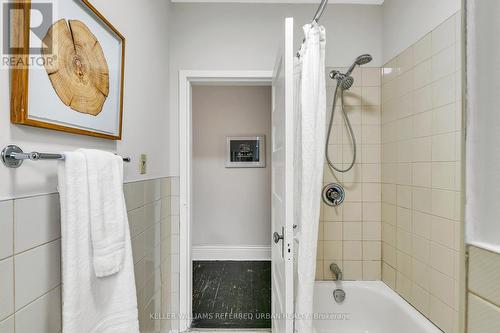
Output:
(145, 27)
(230, 206)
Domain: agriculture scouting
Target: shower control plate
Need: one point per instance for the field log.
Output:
(333, 194)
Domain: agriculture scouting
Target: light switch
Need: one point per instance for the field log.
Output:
(143, 163)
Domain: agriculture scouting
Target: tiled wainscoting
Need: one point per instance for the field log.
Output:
(421, 174)
(483, 291)
(350, 235)
(30, 258)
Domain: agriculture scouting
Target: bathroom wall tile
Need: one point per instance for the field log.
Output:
(422, 124)
(372, 250)
(352, 270)
(484, 274)
(442, 259)
(444, 175)
(403, 285)
(422, 49)
(422, 224)
(389, 254)
(443, 147)
(422, 174)
(372, 231)
(6, 288)
(404, 194)
(372, 270)
(333, 250)
(372, 211)
(443, 119)
(152, 190)
(443, 91)
(423, 74)
(389, 214)
(441, 314)
(389, 275)
(444, 203)
(41, 316)
(353, 231)
(443, 231)
(332, 231)
(484, 317)
(444, 35)
(420, 298)
(6, 229)
(37, 221)
(7, 325)
(136, 221)
(371, 76)
(404, 219)
(442, 287)
(134, 195)
(352, 250)
(352, 211)
(165, 187)
(421, 273)
(44, 262)
(443, 63)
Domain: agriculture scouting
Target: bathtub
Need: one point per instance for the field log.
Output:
(369, 307)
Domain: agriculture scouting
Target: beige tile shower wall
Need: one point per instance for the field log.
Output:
(30, 269)
(483, 292)
(421, 176)
(350, 235)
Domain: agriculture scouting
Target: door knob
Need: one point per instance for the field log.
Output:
(277, 237)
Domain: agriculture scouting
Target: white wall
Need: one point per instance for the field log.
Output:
(145, 26)
(247, 36)
(232, 206)
(406, 21)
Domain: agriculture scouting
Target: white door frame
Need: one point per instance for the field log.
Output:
(186, 79)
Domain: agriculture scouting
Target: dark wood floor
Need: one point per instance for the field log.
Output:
(231, 294)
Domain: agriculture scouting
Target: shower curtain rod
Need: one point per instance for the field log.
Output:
(320, 10)
(13, 156)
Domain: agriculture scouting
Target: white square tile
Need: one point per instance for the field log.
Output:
(352, 250)
(41, 316)
(372, 270)
(44, 262)
(422, 50)
(6, 288)
(6, 229)
(37, 221)
(372, 250)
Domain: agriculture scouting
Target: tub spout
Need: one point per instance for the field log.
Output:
(337, 272)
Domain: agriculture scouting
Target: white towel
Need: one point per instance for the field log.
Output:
(90, 303)
(107, 210)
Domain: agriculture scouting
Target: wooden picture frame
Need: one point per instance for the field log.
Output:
(20, 34)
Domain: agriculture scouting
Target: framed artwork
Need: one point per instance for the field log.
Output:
(245, 152)
(69, 71)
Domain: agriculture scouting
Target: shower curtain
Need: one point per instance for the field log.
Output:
(309, 160)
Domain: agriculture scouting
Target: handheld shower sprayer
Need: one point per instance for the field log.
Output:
(344, 82)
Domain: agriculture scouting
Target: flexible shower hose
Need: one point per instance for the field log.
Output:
(351, 132)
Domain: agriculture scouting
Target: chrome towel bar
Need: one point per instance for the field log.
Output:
(13, 156)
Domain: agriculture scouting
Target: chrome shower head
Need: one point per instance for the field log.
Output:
(363, 59)
(359, 61)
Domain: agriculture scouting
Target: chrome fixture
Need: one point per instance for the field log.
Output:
(339, 295)
(13, 157)
(333, 194)
(344, 82)
(337, 272)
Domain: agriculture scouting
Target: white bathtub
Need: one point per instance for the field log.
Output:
(369, 307)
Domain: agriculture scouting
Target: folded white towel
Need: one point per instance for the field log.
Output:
(107, 210)
(90, 303)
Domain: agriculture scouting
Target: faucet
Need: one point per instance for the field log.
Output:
(335, 269)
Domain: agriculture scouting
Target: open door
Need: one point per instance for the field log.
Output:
(282, 185)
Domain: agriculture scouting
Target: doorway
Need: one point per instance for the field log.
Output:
(214, 239)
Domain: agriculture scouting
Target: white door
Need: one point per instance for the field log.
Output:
(282, 184)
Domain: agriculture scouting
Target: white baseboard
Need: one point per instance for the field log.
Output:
(215, 252)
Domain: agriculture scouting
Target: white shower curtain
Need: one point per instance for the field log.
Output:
(310, 120)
